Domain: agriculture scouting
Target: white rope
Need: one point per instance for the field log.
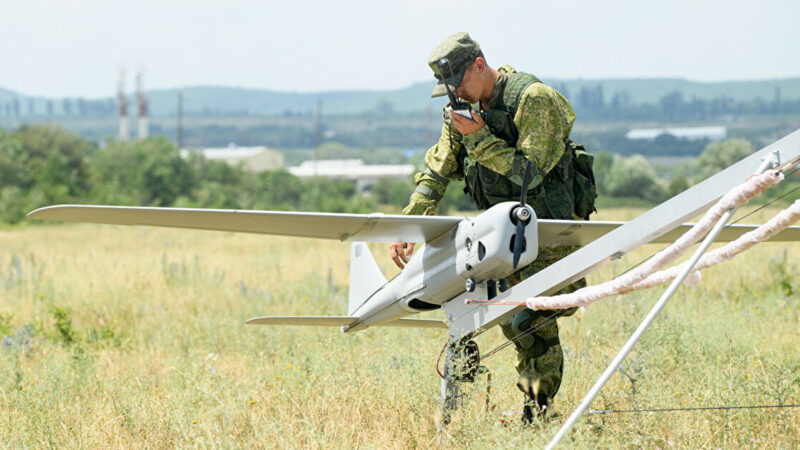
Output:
(625, 283)
(778, 223)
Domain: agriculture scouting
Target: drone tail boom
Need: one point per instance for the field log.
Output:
(341, 321)
(365, 276)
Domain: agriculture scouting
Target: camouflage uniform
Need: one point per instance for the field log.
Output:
(543, 119)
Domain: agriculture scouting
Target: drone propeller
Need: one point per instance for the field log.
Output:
(522, 216)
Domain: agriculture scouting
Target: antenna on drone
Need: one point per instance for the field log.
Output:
(144, 126)
(122, 101)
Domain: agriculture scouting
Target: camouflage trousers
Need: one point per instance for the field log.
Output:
(540, 359)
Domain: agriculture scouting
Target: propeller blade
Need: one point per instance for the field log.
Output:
(526, 178)
(519, 238)
(520, 235)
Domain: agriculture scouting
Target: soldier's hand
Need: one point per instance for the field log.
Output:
(466, 126)
(401, 251)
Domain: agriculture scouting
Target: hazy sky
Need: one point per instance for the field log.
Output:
(75, 48)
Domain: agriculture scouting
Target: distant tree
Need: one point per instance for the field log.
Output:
(15, 168)
(321, 194)
(57, 162)
(603, 162)
(677, 185)
(719, 155)
(591, 98)
(634, 177)
(149, 172)
(18, 191)
(455, 200)
(385, 106)
(392, 191)
(278, 189)
(671, 105)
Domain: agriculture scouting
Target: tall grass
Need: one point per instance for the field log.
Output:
(133, 337)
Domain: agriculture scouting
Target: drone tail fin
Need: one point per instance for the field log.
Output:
(365, 276)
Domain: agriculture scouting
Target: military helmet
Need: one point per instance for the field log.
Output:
(449, 61)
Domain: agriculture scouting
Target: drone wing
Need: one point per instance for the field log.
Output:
(579, 232)
(375, 227)
(344, 227)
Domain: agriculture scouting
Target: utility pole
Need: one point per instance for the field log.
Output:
(180, 120)
(122, 100)
(144, 127)
(317, 134)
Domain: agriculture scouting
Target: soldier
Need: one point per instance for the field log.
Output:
(520, 119)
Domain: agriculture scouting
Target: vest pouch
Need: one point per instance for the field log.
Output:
(473, 183)
(558, 199)
(563, 169)
(501, 124)
(584, 187)
(585, 193)
(496, 188)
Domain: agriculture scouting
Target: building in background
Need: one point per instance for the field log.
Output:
(354, 170)
(254, 159)
(712, 133)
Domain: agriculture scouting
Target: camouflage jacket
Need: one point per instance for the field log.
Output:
(544, 119)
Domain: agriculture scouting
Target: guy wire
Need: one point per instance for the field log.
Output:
(519, 336)
(700, 408)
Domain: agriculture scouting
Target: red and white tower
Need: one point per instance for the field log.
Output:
(144, 126)
(122, 100)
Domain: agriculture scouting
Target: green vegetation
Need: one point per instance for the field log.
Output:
(42, 165)
(45, 165)
(133, 337)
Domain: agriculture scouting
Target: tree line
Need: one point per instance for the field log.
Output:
(590, 102)
(45, 165)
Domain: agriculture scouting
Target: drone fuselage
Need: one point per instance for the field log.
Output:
(477, 249)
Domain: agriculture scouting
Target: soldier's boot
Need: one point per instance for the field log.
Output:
(538, 400)
(535, 410)
(541, 361)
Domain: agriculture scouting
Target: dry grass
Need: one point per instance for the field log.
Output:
(137, 341)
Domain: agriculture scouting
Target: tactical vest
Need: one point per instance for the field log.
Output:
(566, 190)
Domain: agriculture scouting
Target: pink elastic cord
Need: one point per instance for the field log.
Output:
(737, 196)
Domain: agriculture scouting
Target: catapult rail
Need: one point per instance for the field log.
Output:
(472, 319)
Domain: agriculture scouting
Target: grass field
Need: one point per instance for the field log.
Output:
(133, 337)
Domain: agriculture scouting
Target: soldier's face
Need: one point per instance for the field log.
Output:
(471, 86)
